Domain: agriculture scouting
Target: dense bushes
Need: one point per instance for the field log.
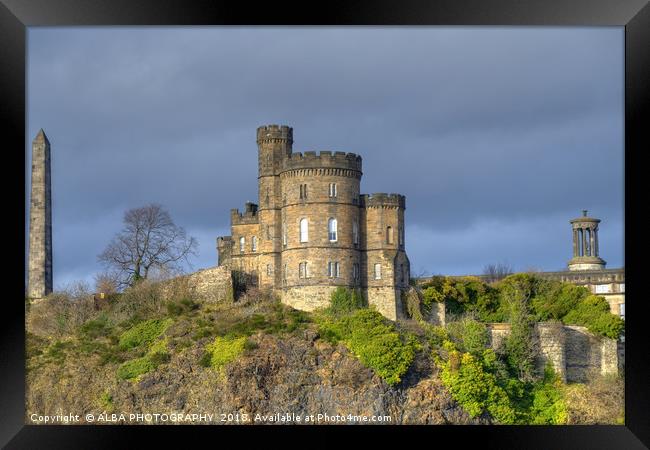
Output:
(593, 313)
(481, 383)
(223, 350)
(345, 300)
(368, 335)
(544, 299)
(143, 333)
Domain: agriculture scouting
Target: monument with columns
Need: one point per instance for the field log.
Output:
(39, 282)
(585, 244)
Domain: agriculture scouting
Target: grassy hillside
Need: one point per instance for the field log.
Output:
(146, 352)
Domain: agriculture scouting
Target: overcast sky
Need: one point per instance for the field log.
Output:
(497, 136)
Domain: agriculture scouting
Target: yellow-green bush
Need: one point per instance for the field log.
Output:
(224, 350)
(375, 341)
(143, 333)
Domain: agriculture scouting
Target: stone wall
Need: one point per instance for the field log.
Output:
(210, 285)
(574, 352)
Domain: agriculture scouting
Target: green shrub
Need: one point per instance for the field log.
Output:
(224, 350)
(556, 299)
(99, 327)
(132, 369)
(344, 300)
(548, 404)
(143, 333)
(183, 306)
(470, 335)
(593, 312)
(372, 339)
(475, 388)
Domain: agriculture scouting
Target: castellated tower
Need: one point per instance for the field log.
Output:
(313, 231)
(39, 282)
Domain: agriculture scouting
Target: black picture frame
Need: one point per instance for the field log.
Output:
(17, 15)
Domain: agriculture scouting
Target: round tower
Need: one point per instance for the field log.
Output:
(320, 226)
(274, 144)
(585, 244)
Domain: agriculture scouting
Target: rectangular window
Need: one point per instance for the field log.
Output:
(303, 191)
(355, 271)
(269, 271)
(242, 244)
(602, 288)
(621, 287)
(355, 233)
(332, 189)
(333, 269)
(302, 270)
(254, 243)
(284, 274)
(378, 271)
(400, 234)
(622, 310)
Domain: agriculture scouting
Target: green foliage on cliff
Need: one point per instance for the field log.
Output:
(474, 386)
(544, 299)
(374, 340)
(224, 350)
(143, 333)
(132, 369)
(481, 383)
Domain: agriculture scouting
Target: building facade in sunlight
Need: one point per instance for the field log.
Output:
(312, 230)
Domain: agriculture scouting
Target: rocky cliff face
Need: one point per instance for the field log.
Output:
(295, 374)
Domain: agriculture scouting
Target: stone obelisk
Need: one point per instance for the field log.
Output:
(40, 221)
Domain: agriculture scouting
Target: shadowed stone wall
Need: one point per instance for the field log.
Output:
(574, 352)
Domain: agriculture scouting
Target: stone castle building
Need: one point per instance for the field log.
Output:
(39, 278)
(312, 230)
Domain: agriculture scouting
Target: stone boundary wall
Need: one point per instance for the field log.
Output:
(573, 351)
(213, 284)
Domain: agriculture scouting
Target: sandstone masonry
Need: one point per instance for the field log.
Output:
(312, 230)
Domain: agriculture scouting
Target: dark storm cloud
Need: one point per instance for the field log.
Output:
(497, 136)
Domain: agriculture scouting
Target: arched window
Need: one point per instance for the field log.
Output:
(389, 235)
(304, 230)
(355, 233)
(242, 244)
(377, 271)
(254, 243)
(332, 230)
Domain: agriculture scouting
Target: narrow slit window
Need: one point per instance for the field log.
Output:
(304, 230)
(332, 230)
(377, 271)
(389, 235)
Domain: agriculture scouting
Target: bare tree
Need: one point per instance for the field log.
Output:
(149, 242)
(495, 272)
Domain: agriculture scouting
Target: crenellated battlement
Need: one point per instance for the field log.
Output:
(382, 200)
(272, 133)
(322, 160)
(249, 216)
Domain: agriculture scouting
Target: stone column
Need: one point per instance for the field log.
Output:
(596, 242)
(575, 243)
(584, 241)
(592, 244)
(39, 282)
